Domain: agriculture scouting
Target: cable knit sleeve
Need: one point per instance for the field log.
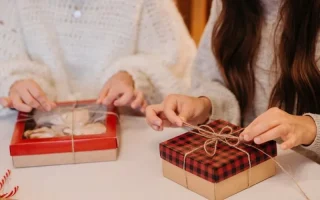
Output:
(207, 80)
(14, 62)
(164, 52)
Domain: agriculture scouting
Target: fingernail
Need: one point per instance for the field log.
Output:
(155, 127)
(158, 123)
(246, 137)
(257, 140)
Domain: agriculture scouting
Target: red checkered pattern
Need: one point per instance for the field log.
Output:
(228, 161)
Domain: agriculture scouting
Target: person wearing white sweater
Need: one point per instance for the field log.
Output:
(258, 67)
(125, 53)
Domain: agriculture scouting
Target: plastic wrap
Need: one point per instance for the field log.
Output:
(66, 120)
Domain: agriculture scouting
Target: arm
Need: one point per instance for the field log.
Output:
(14, 61)
(207, 80)
(164, 52)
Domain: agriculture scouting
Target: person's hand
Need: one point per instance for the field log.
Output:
(176, 109)
(275, 123)
(24, 95)
(119, 91)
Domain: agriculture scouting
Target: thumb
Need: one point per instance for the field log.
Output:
(6, 102)
(185, 114)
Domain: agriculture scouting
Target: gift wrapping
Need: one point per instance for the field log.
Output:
(216, 176)
(66, 149)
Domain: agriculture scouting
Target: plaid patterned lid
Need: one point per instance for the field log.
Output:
(228, 161)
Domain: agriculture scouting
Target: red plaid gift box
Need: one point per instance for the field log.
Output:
(226, 163)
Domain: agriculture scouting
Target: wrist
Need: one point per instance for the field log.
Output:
(206, 110)
(310, 130)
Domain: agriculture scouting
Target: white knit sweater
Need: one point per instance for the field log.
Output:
(207, 80)
(71, 58)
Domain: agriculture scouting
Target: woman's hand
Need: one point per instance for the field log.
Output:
(275, 123)
(176, 109)
(25, 95)
(119, 91)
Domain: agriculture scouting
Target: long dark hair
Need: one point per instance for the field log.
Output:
(236, 39)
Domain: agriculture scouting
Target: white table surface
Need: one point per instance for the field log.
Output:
(137, 172)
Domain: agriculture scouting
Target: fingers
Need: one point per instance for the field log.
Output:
(38, 94)
(272, 134)
(26, 95)
(103, 94)
(152, 117)
(138, 101)
(111, 97)
(170, 107)
(144, 106)
(18, 103)
(125, 99)
(6, 102)
(263, 123)
(259, 128)
(28, 99)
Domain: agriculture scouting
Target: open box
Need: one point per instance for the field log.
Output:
(67, 148)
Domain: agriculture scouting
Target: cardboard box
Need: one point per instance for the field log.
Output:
(219, 176)
(65, 149)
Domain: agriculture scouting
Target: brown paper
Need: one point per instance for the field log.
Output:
(223, 189)
(64, 158)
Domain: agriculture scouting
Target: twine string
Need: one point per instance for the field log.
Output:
(73, 126)
(227, 138)
(213, 138)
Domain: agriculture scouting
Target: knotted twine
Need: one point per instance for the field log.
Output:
(227, 138)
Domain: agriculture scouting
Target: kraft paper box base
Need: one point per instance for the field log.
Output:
(223, 189)
(66, 149)
(65, 158)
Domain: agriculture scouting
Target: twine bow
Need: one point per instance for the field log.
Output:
(227, 138)
(214, 138)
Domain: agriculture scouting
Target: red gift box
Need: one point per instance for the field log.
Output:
(185, 159)
(66, 149)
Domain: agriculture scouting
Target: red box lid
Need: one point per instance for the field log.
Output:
(20, 146)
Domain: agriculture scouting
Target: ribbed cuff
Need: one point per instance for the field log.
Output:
(315, 146)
